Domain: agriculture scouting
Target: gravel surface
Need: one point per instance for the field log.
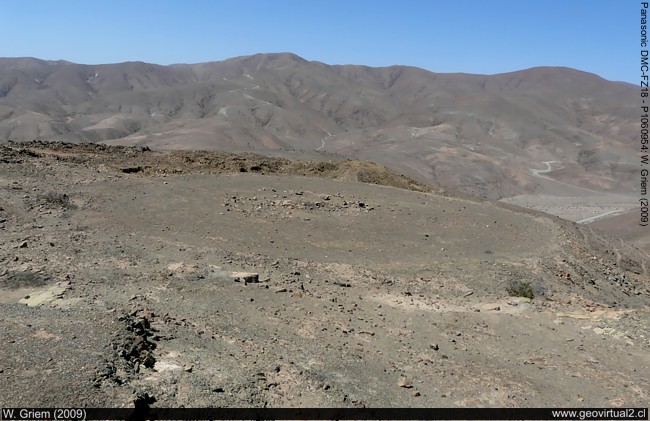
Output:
(209, 286)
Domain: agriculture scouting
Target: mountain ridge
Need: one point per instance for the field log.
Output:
(476, 134)
(5, 60)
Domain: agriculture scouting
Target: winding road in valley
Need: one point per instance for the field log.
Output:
(549, 168)
(322, 141)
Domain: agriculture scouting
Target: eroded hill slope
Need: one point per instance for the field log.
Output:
(364, 295)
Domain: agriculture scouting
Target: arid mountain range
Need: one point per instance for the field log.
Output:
(295, 273)
(490, 136)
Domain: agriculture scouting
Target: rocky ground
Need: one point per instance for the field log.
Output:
(131, 277)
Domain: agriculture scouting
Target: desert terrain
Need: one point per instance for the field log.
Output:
(131, 276)
(553, 139)
(268, 231)
(483, 135)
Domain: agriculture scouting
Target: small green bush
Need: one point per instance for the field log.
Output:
(521, 289)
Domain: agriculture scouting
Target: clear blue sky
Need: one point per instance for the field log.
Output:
(479, 36)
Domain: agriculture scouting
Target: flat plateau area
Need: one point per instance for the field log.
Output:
(580, 209)
(127, 278)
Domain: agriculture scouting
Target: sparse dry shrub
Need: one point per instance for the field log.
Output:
(56, 199)
(521, 289)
